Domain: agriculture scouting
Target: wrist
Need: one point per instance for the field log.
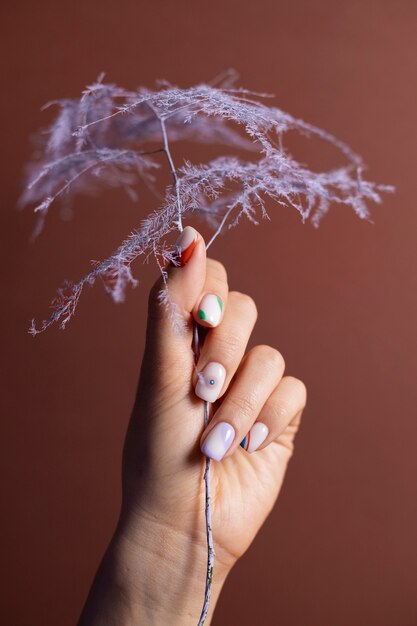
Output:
(154, 575)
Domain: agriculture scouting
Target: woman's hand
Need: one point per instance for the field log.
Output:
(154, 570)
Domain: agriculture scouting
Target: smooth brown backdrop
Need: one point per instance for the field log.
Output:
(340, 547)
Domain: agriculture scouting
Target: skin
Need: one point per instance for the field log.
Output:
(154, 569)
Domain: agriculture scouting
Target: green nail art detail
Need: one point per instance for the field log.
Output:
(210, 309)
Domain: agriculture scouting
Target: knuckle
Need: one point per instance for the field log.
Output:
(299, 390)
(228, 345)
(243, 405)
(245, 302)
(270, 357)
(282, 412)
(216, 270)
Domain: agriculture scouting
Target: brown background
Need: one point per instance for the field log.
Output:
(340, 547)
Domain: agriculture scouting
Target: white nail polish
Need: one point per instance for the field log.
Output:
(210, 309)
(255, 437)
(210, 382)
(218, 441)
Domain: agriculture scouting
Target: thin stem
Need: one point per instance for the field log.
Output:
(171, 164)
(209, 531)
(196, 348)
(220, 227)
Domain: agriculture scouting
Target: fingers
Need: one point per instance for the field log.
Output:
(256, 418)
(168, 357)
(282, 410)
(260, 405)
(224, 347)
(195, 286)
(185, 281)
(257, 377)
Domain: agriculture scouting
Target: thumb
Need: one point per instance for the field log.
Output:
(168, 360)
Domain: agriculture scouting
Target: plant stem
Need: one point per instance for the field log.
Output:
(196, 348)
(209, 532)
(220, 227)
(173, 171)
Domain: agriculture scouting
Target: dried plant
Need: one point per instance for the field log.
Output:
(115, 137)
(106, 138)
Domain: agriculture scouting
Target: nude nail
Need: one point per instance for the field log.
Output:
(255, 437)
(218, 441)
(210, 309)
(210, 382)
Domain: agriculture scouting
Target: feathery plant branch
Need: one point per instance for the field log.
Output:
(106, 139)
(110, 137)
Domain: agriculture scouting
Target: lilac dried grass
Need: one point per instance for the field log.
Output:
(112, 137)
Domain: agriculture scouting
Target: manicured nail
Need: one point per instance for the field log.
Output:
(210, 309)
(185, 245)
(218, 441)
(210, 382)
(255, 437)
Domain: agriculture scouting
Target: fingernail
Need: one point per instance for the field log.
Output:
(210, 309)
(218, 441)
(255, 437)
(185, 245)
(210, 382)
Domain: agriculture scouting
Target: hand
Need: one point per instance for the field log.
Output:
(154, 570)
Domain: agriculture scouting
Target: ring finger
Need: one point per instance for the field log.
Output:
(284, 403)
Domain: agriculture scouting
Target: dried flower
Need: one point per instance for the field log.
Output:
(104, 139)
